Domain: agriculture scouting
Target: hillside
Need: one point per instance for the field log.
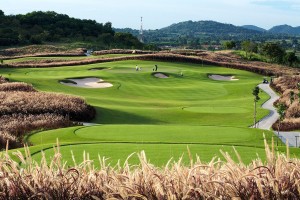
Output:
(255, 28)
(285, 29)
(207, 28)
(196, 33)
(50, 27)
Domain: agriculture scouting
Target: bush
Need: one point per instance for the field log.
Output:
(23, 109)
(5, 87)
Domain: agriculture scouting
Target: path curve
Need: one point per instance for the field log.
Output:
(267, 122)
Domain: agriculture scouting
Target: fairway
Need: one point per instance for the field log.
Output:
(159, 115)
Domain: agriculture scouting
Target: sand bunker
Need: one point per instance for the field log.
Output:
(99, 68)
(87, 83)
(222, 78)
(160, 75)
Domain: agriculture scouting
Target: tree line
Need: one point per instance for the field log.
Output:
(41, 27)
(275, 52)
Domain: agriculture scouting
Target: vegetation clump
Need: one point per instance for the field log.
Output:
(23, 109)
(24, 87)
(288, 86)
(277, 178)
(43, 27)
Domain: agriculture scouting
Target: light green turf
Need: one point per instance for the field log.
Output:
(159, 115)
(153, 134)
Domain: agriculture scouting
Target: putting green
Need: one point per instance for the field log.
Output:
(159, 115)
(153, 134)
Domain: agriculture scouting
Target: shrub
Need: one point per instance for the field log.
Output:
(24, 87)
(40, 102)
(23, 109)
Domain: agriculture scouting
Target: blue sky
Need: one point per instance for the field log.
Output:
(162, 13)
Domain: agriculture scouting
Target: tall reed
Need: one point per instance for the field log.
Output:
(276, 178)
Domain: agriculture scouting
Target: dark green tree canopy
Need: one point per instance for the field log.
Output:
(39, 27)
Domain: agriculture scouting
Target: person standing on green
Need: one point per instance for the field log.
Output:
(156, 68)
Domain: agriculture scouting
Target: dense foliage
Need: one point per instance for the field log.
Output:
(285, 29)
(39, 27)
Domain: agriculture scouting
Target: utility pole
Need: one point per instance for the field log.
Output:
(141, 36)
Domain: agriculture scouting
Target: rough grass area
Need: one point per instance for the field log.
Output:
(23, 109)
(39, 50)
(277, 178)
(287, 85)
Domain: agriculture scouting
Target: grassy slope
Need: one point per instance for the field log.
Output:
(189, 105)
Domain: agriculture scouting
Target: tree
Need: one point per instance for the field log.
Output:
(281, 111)
(249, 47)
(255, 93)
(273, 51)
(229, 44)
(290, 58)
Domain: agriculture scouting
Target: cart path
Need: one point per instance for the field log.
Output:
(266, 122)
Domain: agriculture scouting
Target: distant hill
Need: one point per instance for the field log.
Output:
(206, 27)
(285, 29)
(192, 32)
(255, 28)
(41, 27)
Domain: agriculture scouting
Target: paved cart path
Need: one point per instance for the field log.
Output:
(266, 122)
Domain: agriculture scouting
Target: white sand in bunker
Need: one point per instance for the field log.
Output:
(222, 78)
(160, 75)
(88, 83)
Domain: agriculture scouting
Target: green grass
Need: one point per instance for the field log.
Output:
(160, 116)
(254, 56)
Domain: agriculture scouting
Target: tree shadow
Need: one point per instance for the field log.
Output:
(110, 116)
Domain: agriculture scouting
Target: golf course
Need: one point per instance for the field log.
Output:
(183, 113)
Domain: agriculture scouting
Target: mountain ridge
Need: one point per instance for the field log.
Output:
(278, 29)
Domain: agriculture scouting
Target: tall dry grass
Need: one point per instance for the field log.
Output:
(16, 86)
(23, 109)
(19, 124)
(276, 178)
(39, 50)
(122, 51)
(2, 79)
(285, 85)
(40, 102)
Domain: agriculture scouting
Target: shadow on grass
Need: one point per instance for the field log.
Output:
(109, 116)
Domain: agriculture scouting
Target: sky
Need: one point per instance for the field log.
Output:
(161, 13)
